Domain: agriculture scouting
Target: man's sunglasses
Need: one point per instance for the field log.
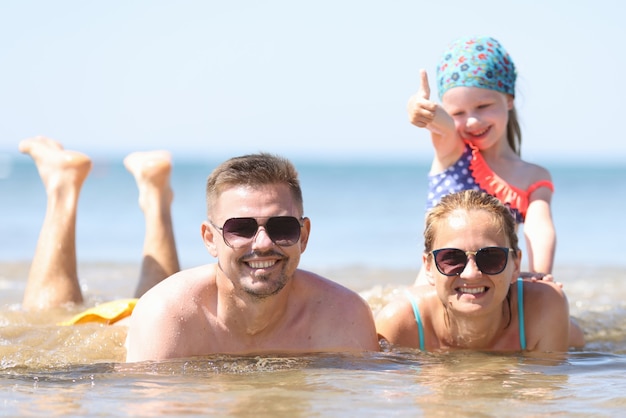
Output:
(489, 260)
(282, 230)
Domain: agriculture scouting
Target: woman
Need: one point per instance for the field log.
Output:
(474, 299)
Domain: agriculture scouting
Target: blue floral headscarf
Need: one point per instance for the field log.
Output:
(476, 62)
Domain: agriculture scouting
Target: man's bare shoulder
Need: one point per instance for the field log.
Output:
(327, 298)
(315, 285)
(167, 315)
(186, 285)
(185, 281)
(340, 316)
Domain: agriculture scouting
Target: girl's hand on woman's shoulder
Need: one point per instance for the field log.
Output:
(535, 276)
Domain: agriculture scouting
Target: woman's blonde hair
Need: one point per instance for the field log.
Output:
(470, 200)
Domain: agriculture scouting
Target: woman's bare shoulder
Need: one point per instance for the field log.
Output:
(545, 299)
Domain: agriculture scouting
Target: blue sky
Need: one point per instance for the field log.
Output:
(318, 78)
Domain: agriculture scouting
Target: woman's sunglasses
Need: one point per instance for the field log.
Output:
(489, 260)
(282, 230)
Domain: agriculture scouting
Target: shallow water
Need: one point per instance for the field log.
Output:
(389, 384)
(367, 222)
(79, 370)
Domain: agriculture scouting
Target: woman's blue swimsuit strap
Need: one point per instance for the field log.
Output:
(418, 319)
(520, 314)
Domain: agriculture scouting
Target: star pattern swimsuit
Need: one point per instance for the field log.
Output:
(471, 172)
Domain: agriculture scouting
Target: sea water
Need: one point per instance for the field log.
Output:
(367, 220)
(362, 214)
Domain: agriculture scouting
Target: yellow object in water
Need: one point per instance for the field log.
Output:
(105, 313)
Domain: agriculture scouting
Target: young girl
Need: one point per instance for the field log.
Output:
(475, 299)
(477, 140)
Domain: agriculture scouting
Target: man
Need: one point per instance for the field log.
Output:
(255, 300)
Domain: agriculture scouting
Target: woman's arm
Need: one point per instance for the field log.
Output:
(547, 314)
(396, 323)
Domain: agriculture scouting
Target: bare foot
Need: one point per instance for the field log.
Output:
(152, 173)
(151, 170)
(57, 167)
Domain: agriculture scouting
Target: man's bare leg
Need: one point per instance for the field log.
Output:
(152, 173)
(53, 278)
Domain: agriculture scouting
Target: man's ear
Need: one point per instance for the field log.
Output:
(209, 237)
(304, 234)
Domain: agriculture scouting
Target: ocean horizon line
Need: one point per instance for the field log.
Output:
(9, 157)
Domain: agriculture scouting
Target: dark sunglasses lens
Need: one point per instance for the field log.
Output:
(283, 230)
(450, 261)
(239, 229)
(492, 260)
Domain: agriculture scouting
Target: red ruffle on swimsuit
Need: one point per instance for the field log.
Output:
(471, 172)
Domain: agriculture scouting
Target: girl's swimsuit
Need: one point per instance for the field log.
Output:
(471, 172)
(520, 314)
